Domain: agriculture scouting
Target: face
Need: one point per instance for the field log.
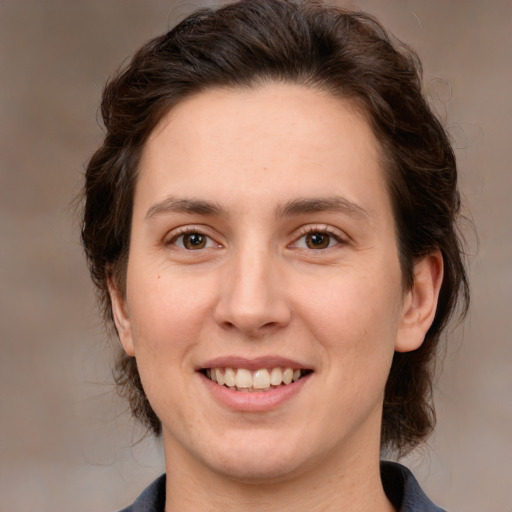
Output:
(263, 297)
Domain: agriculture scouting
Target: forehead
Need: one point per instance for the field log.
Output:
(252, 143)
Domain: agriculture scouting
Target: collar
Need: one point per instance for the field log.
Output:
(403, 490)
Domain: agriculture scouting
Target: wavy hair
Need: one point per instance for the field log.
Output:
(348, 54)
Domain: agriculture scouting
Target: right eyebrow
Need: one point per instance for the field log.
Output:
(192, 206)
(323, 204)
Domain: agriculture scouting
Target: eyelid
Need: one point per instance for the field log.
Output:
(339, 235)
(174, 234)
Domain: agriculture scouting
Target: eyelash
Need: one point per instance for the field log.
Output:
(321, 230)
(189, 230)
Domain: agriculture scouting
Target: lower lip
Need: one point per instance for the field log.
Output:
(254, 401)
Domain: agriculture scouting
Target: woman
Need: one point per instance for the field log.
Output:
(271, 224)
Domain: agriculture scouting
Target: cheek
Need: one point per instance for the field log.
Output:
(166, 318)
(355, 316)
(353, 321)
(166, 313)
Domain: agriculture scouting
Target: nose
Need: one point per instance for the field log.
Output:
(252, 297)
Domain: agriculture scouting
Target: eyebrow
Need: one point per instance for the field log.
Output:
(328, 204)
(295, 207)
(192, 206)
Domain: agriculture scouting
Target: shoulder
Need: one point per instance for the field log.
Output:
(403, 490)
(152, 498)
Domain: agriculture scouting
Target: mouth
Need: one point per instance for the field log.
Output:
(260, 380)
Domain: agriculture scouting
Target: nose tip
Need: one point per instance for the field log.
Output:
(253, 302)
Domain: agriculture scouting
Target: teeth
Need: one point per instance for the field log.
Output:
(219, 377)
(242, 379)
(276, 377)
(261, 379)
(229, 377)
(288, 376)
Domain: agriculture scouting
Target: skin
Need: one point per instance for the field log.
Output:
(257, 289)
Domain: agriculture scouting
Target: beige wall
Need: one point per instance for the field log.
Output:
(65, 443)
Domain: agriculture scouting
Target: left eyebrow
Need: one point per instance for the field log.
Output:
(328, 204)
(192, 206)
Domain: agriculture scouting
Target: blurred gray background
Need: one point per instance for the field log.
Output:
(66, 442)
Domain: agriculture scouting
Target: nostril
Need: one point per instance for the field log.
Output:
(252, 331)
(228, 326)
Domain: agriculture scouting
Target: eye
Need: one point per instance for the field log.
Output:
(318, 240)
(193, 241)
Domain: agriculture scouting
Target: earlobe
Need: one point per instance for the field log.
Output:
(420, 302)
(121, 317)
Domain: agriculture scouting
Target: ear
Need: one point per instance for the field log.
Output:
(420, 302)
(121, 317)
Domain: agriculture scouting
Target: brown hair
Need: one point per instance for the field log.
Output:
(346, 53)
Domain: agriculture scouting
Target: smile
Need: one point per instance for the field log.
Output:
(263, 379)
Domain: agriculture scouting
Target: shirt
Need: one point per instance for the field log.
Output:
(401, 488)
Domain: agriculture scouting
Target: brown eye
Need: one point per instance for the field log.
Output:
(193, 241)
(318, 240)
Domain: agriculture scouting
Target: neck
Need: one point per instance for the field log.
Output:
(352, 485)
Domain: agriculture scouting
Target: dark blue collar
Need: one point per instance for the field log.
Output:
(403, 490)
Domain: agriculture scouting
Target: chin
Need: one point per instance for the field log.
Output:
(258, 471)
(265, 462)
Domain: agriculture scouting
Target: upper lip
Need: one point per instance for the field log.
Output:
(253, 364)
